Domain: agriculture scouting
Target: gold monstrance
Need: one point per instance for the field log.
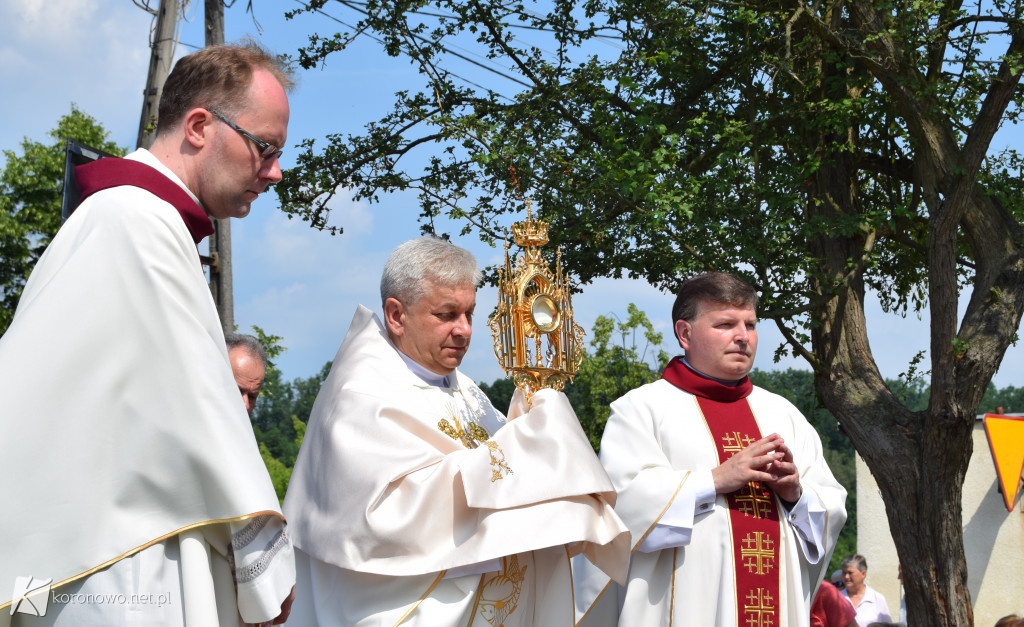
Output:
(535, 337)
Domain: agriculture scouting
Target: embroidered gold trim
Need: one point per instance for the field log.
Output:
(499, 596)
(158, 540)
(754, 500)
(455, 433)
(755, 553)
(672, 587)
(473, 436)
(498, 464)
(758, 552)
(661, 513)
(415, 605)
(476, 599)
(634, 548)
(572, 584)
(736, 442)
(759, 609)
(478, 432)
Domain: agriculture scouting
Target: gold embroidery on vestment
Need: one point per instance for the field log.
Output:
(472, 437)
(454, 433)
(157, 540)
(759, 611)
(500, 596)
(498, 464)
(754, 500)
(758, 551)
(736, 442)
(426, 594)
(478, 432)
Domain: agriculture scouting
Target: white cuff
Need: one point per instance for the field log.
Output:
(808, 517)
(675, 527)
(704, 484)
(264, 567)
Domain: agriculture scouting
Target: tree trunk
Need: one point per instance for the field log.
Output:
(916, 459)
(919, 460)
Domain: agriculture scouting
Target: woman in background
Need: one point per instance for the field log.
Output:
(870, 605)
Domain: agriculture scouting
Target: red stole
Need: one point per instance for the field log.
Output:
(753, 513)
(113, 172)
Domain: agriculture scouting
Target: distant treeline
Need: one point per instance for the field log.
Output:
(284, 408)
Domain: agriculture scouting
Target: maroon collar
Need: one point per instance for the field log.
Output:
(113, 172)
(679, 375)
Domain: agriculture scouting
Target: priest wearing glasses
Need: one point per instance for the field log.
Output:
(140, 493)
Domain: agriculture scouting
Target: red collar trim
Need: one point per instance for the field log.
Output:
(679, 375)
(113, 172)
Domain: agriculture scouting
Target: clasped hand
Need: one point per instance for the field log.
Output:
(769, 461)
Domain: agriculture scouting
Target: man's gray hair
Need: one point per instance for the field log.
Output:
(424, 259)
(249, 343)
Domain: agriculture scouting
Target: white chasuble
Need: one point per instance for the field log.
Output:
(122, 422)
(657, 439)
(415, 504)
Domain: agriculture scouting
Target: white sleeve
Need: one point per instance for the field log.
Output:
(264, 567)
(808, 518)
(696, 497)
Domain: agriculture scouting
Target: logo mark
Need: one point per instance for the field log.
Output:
(30, 596)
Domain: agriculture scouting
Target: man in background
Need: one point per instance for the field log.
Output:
(137, 491)
(249, 365)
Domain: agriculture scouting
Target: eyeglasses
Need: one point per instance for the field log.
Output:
(267, 150)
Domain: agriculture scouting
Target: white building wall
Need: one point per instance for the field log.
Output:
(993, 540)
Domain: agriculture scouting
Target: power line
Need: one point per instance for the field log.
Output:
(444, 48)
(598, 36)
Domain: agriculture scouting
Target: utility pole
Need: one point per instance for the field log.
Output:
(220, 242)
(160, 59)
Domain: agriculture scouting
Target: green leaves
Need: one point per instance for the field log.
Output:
(806, 150)
(31, 190)
(621, 357)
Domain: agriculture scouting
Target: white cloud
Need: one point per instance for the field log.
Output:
(354, 216)
(93, 53)
(303, 284)
(53, 21)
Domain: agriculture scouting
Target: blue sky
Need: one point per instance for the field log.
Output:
(289, 279)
